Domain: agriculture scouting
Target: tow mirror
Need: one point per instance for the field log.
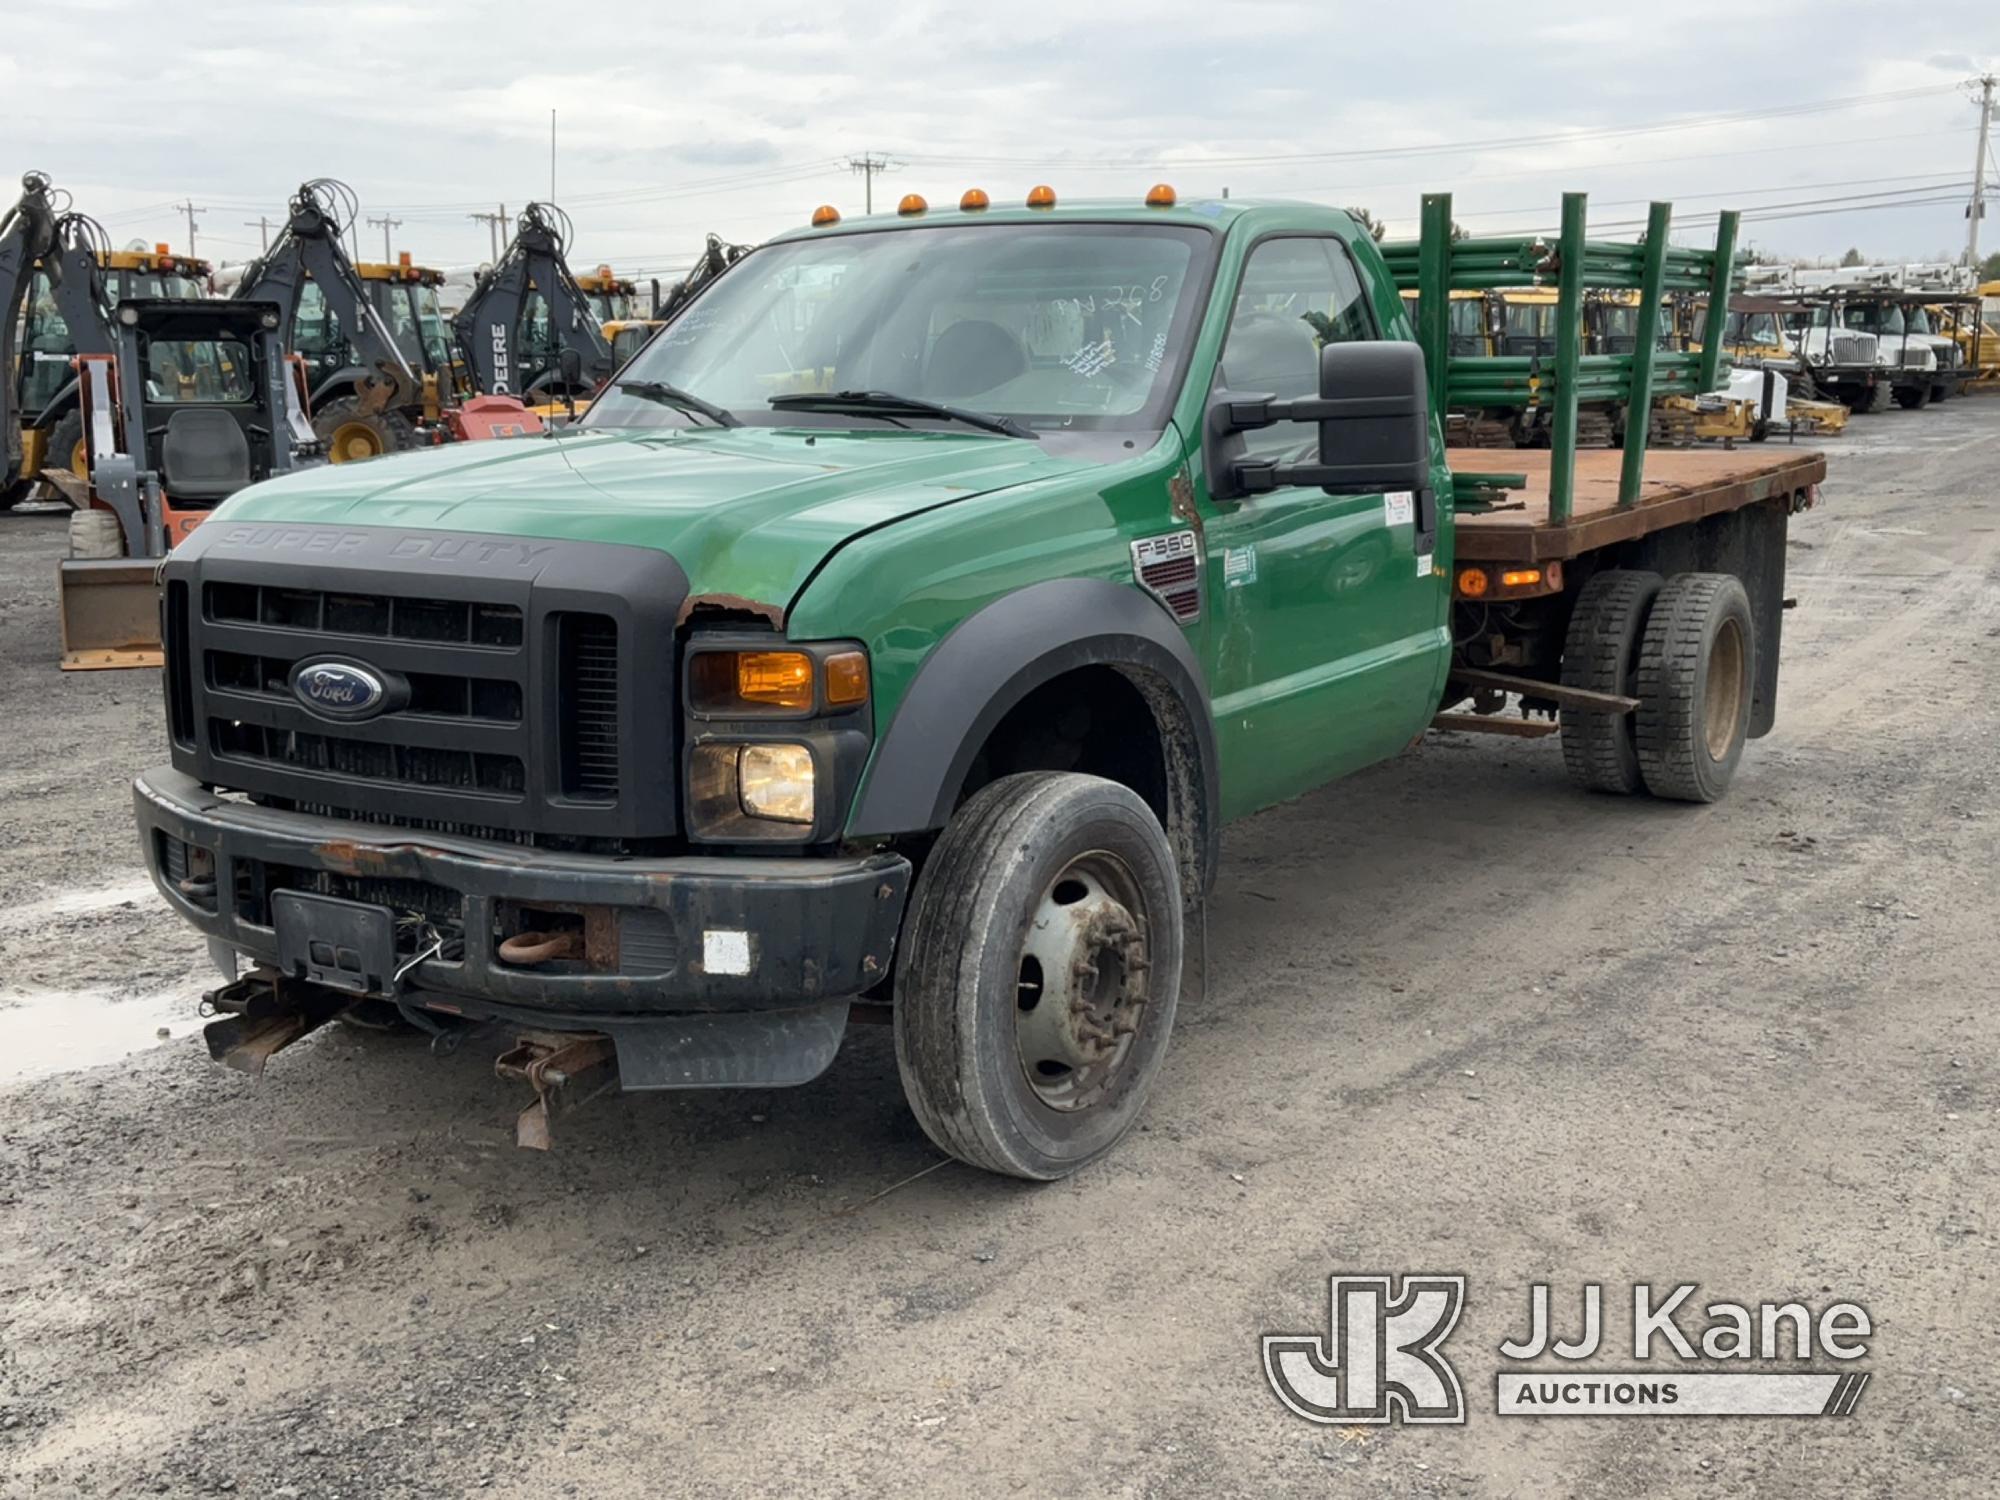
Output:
(1373, 415)
(569, 364)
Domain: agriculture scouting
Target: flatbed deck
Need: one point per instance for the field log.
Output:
(1682, 484)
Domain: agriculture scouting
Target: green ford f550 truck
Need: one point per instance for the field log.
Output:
(895, 637)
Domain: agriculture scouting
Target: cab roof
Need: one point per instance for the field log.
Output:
(375, 270)
(1203, 213)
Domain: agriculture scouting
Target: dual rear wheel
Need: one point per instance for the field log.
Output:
(1685, 647)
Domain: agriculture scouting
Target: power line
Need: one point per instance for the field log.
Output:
(1579, 133)
(188, 207)
(387, 224)
(1976, 209)
(868, 166)
(496, 229)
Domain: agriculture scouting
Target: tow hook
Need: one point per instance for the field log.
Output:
(565, 1069)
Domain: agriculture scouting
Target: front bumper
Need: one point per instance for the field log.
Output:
(687, 936)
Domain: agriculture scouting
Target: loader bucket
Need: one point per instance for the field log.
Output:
(110, 613)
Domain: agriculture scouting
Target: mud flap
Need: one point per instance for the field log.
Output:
(110, 613)
(737, 1049)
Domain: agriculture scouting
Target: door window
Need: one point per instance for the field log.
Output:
(1297, 295)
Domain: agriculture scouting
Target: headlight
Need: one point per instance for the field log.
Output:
(777, 733)
(751, 792)
(776, 781)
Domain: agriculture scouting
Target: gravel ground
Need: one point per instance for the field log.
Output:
(1461, 1019)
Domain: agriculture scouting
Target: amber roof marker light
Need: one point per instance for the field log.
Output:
(824, 215)
(1161, 195)
(912, 204)
(974, 201)
(1041, 196)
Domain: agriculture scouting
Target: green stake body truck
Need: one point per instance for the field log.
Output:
(895, 637)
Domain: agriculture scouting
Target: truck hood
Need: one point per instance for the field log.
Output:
(748, 511)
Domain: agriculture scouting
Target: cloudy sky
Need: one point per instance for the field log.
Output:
(1834, 125)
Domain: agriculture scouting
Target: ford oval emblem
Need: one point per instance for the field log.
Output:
(340, 689)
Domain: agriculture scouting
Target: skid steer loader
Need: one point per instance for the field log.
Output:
(194, 401)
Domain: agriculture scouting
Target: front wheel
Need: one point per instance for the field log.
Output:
(1912, 397)
(352, 434)
(1036, 991)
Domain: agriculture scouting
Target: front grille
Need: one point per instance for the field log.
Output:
(528, 683)
(380, 616)
(587, 657)
(432, 694)
(369, 760)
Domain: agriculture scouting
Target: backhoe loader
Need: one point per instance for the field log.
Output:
(381, 377)
(64, 311)
(529, 329)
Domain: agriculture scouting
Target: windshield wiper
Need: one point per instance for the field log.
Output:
(888, 403)
(680, 400)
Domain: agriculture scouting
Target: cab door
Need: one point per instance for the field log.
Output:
(1327, 636)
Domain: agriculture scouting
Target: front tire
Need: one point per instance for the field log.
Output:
(1697, 666)
(352, 435)
(95, 535)
(1035, 994)
(1910, 398)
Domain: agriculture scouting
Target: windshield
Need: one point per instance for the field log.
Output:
(1872, 317)
(44, 350)
(131, 286)
(197, 371)
(1752, 328)
(1057, 326)
(1621, 328)
(612, 307)
(625, 342)
(1920, 320)
(416, 323)
(1467, 322)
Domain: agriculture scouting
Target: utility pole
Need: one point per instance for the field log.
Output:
(1976, 210)
(262, 224)
(387, 224)
(868, 166)
(191, 209)
(496, 229)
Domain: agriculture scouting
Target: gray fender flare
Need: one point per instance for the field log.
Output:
(996, 657)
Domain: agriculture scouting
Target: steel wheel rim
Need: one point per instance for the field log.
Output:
(1082, 983)
(1722, 696)
(352, 442)
(79, 459)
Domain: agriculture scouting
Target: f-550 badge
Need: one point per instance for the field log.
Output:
(1169, 568)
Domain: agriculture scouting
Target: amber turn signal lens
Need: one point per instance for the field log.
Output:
(974, 200)
(1041, 196)
(783, 679)
(1161, 196)
(846, 679)
(1516, 578)
(913, 203)
(824, 215)
(1472, 582)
